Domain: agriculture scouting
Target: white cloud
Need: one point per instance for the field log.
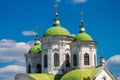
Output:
(9, 72)
(31, 42)
(12, 68)
(78, 1)
(28, 33)
(11, 51)
(113, 63)
(118, 78)
(115, 59)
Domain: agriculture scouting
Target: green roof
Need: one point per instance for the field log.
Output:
(83, 36)
(44, 76)
(81, 74)
(35, 49)
(39, 76)
(56, 30)
(77, 74)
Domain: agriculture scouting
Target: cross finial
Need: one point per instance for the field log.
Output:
(81, 12)
(101, 54)
(82, 20)
(56, 7)
(36, 31)
(82, 28)
(36, 39)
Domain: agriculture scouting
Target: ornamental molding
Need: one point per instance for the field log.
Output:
(55, 50)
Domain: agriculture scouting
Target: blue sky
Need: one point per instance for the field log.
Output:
(18, 19)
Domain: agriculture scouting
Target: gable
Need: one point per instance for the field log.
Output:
(104, 74)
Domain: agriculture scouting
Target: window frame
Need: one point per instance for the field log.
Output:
(86, 59)
(74, 59)
(56, 60)
(45, 61)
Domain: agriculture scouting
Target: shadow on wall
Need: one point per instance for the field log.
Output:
(65, 67)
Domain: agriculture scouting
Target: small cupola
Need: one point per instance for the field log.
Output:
(36, 48)
(82, 36)
(56, 29)
(102, 61)
(56, 20)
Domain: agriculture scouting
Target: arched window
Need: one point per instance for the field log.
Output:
(86, 59)
(56, 59)
(74, 59)
(45, 61)
(29, 69)
(67, 60)
(38, 68)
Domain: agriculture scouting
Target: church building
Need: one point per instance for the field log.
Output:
(58, 55)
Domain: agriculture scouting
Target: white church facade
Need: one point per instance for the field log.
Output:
(59, 56)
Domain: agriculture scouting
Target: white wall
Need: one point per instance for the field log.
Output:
(80, 48)
(102, 74)
(52, 45)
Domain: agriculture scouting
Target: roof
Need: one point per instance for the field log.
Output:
(39, 76)
(35, 49)
(107, 71)
(78, 74)
(83, 36)
(44, 76)
(56, 30)
(81, 74)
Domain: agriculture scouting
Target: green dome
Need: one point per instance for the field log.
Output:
(35, 49)
(81, 74)
(83, 36)
(56, 30)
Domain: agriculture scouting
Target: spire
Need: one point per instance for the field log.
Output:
(56, 19)
(82, 28)
(36, 36)
(56, 7)
(36, 32)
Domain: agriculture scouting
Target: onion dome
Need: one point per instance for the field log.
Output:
(83, 36)
(36, 48)
(56, 29)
